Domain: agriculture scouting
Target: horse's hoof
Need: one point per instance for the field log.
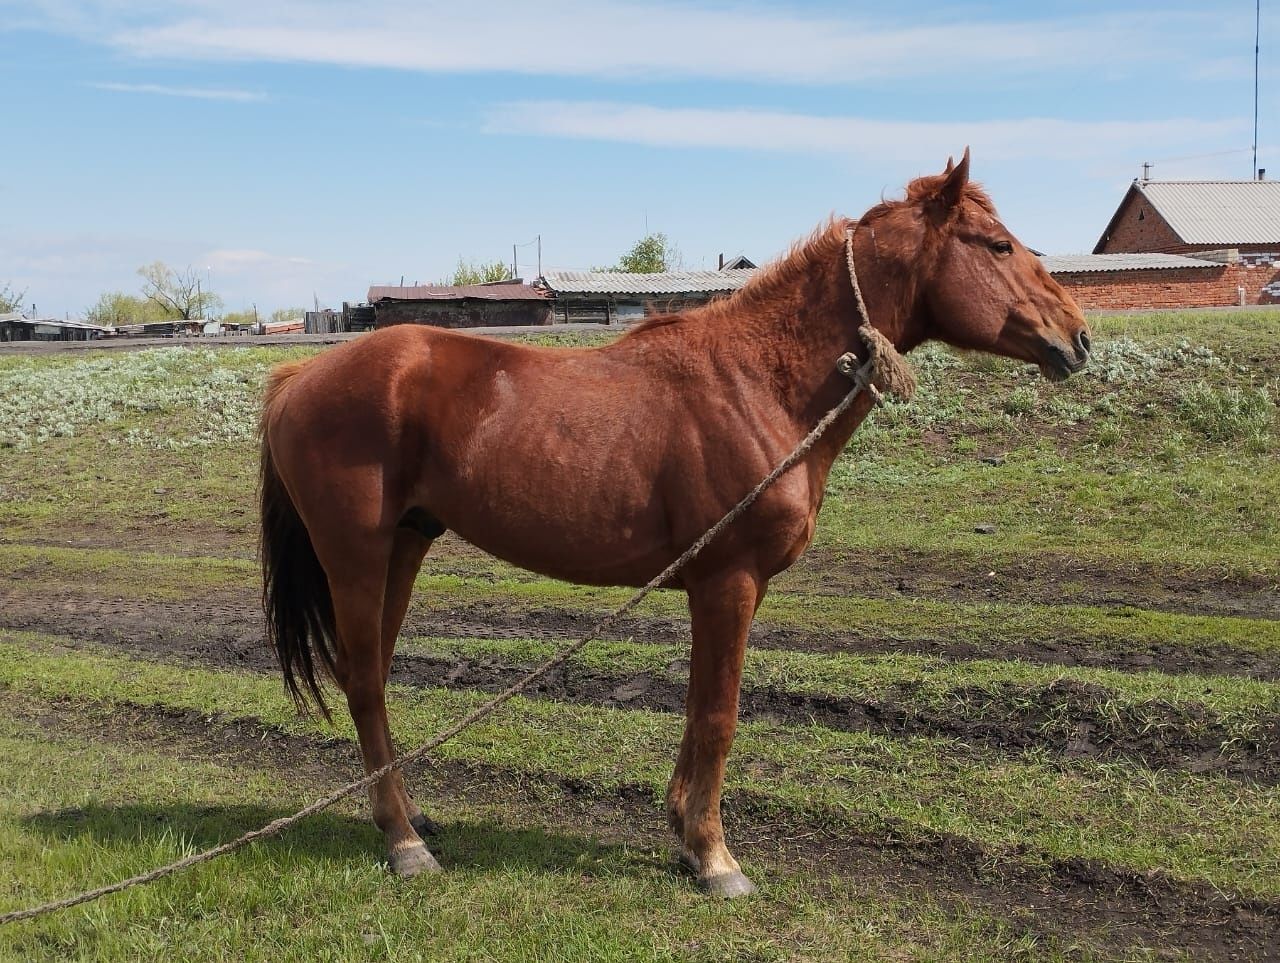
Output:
(728, 885)
(410, 861)
(425, 826)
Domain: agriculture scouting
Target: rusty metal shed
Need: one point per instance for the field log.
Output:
(461, 306)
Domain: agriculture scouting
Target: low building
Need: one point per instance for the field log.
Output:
(462, 306)
(176, 327)
(1162, 281)
(617, 297)
(1233, 221)
(15, 327)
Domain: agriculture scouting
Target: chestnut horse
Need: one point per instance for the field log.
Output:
(601, 465)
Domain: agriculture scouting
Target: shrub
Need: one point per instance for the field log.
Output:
(1227, 414)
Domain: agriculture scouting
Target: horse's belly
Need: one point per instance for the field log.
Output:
(562, 536)
(582, 507)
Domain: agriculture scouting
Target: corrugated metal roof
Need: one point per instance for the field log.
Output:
(1097, 263)
(670, 282)
(442, 292)
(52, 322)
(1218, 212)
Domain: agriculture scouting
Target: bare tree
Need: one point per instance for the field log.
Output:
(177, 292)
(10, 300)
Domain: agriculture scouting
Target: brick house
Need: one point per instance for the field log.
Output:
(1235, 224)
(1144, 281)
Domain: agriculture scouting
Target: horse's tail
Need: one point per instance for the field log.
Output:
(295, 589)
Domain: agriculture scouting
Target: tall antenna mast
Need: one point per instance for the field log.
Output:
(1257, 43)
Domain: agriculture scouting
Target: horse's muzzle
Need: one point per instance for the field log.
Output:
(1058, 363)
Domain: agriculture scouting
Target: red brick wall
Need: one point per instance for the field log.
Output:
(1131, 236)
(1177, 288)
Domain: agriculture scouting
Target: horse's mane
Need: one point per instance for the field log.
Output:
(815, 251)
(826, 241)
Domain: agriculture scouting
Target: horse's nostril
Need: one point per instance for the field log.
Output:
(1082, 342)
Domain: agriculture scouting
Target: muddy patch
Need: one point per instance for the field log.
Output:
(1044, 578)
(233, 620)
(1099, 908)
(1068, 718)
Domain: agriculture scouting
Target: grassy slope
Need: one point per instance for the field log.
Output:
(1165, 453)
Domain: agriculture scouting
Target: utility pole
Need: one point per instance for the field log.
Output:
(539, 255)
(515, 267)
(1257, 44)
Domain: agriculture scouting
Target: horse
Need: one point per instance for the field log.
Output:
(601, 465)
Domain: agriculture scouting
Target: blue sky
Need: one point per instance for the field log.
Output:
(316, 147)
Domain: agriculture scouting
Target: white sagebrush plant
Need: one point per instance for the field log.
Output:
(215, 404)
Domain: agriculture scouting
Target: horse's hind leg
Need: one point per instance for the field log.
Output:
(358, 584)
(407, 552)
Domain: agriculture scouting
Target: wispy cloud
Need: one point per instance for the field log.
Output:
(859, 137)
(247, 260)
(199, 93)
(620, 38)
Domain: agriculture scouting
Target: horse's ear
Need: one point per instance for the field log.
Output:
(957, 176)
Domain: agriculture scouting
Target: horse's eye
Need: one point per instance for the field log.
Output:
(1002, 247)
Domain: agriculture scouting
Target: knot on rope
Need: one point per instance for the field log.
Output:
(886, 368)
(889, 369)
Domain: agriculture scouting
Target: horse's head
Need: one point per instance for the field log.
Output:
(977, 286)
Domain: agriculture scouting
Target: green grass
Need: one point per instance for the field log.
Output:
(511, 892)
(132, 477)
(1192, 827)
(1164, 454)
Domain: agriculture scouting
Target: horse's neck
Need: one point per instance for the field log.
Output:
(799, 331)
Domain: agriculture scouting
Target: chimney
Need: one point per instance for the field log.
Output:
(1146, 171)
(721, 267)
(1262, 173)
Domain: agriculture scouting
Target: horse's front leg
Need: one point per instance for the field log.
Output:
(721, 611)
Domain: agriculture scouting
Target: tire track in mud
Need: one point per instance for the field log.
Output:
(1082, 903)
(234, 619)
(494, 622)
(1068, 718)
(1042, 578)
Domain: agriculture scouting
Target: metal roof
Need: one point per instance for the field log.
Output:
(442, 292)
(1217, 212)
(1097, 263)
(670, 282)
(52, 322)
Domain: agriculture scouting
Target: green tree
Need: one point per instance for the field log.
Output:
(178, 293)
(10, 300)
(247, 316)
(115, 308)
(287, 314)
(473, 272)
(652, 254)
